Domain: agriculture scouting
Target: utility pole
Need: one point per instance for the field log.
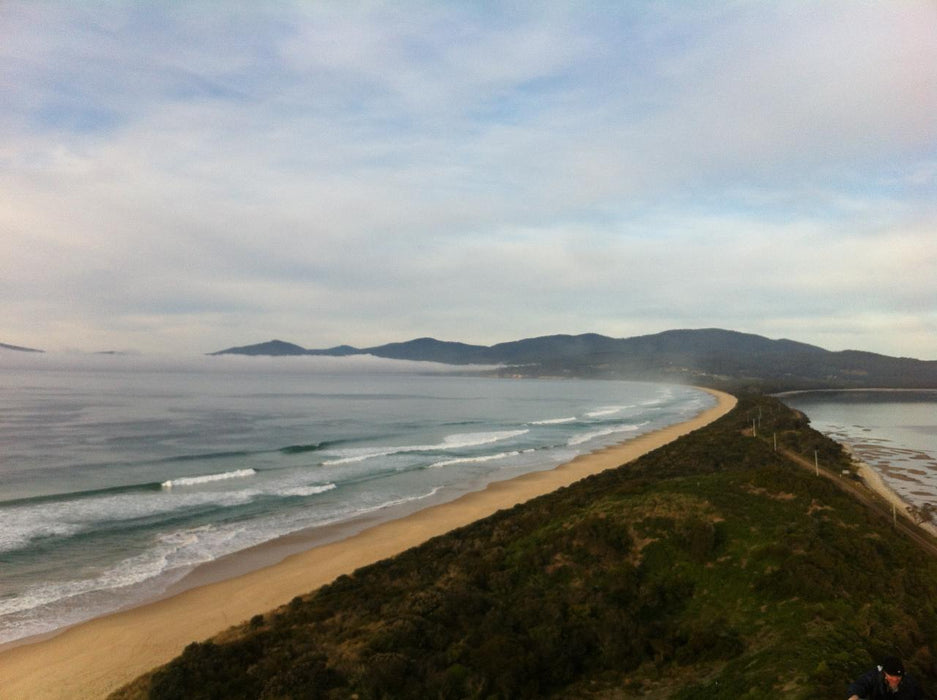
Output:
(816, 462)
(775, 442)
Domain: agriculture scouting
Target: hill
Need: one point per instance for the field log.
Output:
(713, 568)
(712, 357)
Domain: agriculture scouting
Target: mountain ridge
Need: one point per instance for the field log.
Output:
(708, 356)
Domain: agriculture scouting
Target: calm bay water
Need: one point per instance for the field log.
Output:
(117, 476)
(894, 432)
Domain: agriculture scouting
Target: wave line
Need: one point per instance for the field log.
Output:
(207, 478)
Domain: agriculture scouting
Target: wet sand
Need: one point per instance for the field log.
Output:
(94, 658)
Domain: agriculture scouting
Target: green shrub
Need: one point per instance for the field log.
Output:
(710, 568)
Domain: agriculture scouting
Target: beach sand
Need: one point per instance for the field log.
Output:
(95, 658)
(871, 478)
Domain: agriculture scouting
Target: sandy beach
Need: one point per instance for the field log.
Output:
(874, 481)
(95, 658)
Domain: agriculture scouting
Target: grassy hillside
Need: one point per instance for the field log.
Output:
(711, 568)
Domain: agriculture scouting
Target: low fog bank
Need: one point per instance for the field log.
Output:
(353, 364)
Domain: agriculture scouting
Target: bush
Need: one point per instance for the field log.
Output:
(712, 558)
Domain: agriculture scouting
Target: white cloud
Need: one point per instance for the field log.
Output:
(179, 176)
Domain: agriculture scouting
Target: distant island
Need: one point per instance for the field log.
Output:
(17, 348)
(711, 357)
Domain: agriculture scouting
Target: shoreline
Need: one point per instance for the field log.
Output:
(870, 476)
(875, 482)
(856, 390)
(94, 658)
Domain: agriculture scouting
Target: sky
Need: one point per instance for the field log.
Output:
(186, 177)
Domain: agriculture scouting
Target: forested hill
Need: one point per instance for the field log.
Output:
(711, 357)
(714, 568)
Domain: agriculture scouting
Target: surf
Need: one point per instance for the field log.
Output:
(184, 481)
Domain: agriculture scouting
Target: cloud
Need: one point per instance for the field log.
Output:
(193, 177)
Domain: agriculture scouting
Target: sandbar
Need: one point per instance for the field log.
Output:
(92, 659)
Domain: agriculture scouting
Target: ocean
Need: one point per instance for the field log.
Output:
(120, 475)
(894, 432)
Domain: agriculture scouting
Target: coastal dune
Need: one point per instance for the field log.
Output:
(95, 658)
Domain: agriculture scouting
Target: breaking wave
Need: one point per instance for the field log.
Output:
(554, 421)
(207, 478)
(478, 458)
(604, 432)
(450, 442)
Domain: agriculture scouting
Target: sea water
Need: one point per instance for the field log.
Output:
(118, 476)
(894, 432)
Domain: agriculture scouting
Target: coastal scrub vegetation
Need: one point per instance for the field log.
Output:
(714, 567)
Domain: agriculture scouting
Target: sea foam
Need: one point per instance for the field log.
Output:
(554, 421)
(207, 478)
(479, 458)
(608, 411)
(450, 442)
(306, 490)
(582, 438)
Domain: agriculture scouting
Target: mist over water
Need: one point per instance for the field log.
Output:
(119, 475)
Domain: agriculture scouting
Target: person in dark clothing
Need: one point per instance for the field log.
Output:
(886, 682)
